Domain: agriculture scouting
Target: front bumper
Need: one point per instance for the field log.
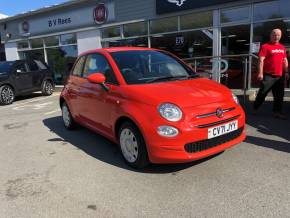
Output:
(173, 150)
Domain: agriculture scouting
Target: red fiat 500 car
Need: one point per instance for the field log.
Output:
(152, 104)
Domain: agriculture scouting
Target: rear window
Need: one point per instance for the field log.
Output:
(5, 66)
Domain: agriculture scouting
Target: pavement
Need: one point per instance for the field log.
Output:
(47, 171)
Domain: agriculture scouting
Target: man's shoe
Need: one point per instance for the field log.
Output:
(280, 116)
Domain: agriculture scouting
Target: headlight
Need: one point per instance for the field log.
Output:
(170, 112)
(235, 98)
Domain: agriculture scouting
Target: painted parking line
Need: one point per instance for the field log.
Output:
(28, 102)
(32, 107)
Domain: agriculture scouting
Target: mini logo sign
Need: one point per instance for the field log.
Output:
(219, 113)
(179, 3)
(100, 13)
(25, 26)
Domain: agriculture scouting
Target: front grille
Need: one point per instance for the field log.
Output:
(218, 122)
(210, 143)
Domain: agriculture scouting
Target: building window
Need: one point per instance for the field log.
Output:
(196, 20)
(111, 32)
(36, 43)
(140, 42)
(164, 25)
(23, 44)
(51, 41)
(135, 29)
(68, 39)
(271, 10)
(235, 14)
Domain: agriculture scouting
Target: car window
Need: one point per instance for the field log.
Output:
(5, 67)
(138, 67)
(21, 66)
(40, 65)
(32, 66)
(77, 71)
(97, 63)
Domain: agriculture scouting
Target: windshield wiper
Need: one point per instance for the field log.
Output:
(165, 78)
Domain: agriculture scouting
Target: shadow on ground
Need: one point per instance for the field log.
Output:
(104, 150)
(265, 123)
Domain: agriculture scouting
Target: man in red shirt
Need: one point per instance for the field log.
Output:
(272, 63)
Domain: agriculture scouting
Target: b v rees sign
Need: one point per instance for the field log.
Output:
(168, 6)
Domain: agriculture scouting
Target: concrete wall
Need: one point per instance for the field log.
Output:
(88, 40)
(11, 51)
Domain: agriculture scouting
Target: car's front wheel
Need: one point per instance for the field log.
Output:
(133, 146)
(47, 88)
(67, 118)
(7, 95)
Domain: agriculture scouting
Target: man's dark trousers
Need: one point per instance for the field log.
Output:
(274, 83)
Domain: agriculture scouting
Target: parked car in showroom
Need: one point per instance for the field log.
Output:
(22, 77)
(152, 104)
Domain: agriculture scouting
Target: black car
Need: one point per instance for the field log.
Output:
(23, 77)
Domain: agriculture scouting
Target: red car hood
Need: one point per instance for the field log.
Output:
(185, 93)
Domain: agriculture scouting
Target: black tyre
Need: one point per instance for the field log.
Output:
(67, 118)
(7, 95)
(132, 145)
(47, 88)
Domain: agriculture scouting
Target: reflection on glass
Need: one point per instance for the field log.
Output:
(68, 39)
(36, 43)
(139, 42)
(185, 45)
(61, 60)
(235, 40)
(196, 20)
(235, 14)
(51, 41)
(135, 29)
(111, 32)
(22, 44)
(36, 54)
(164, 25)
(271, 10)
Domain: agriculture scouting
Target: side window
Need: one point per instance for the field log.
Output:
(21, 66)
(40, 65)
(77, 71)
(32, 66)
(97, 63)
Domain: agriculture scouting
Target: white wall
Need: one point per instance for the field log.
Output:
(11, 51)
(89, 40)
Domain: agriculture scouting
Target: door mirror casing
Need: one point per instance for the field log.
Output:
(98, 78)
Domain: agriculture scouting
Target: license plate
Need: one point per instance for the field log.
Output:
(222, 129)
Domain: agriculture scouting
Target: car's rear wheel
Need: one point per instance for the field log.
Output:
(7, 95)
(47, 88)
(67, 118)
(133, 146)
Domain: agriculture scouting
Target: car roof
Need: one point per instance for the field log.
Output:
(117, 49)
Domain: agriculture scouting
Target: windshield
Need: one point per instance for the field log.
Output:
(5, 66)
(139, 67)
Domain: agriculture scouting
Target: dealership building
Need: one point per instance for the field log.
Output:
(219, 38)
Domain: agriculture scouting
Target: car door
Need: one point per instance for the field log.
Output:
(97, 103)
(23, 78)
(73, 87)
(36, 74)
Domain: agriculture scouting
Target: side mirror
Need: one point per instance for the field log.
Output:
(98, 78)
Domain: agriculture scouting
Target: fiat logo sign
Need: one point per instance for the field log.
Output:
(100, 13)
(219, 113)
(25, 26)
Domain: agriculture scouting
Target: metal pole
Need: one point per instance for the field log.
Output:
(245, 79)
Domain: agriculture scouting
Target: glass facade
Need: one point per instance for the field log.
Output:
(204, 38)
(59, 52)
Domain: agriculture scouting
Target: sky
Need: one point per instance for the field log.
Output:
(13, 7)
